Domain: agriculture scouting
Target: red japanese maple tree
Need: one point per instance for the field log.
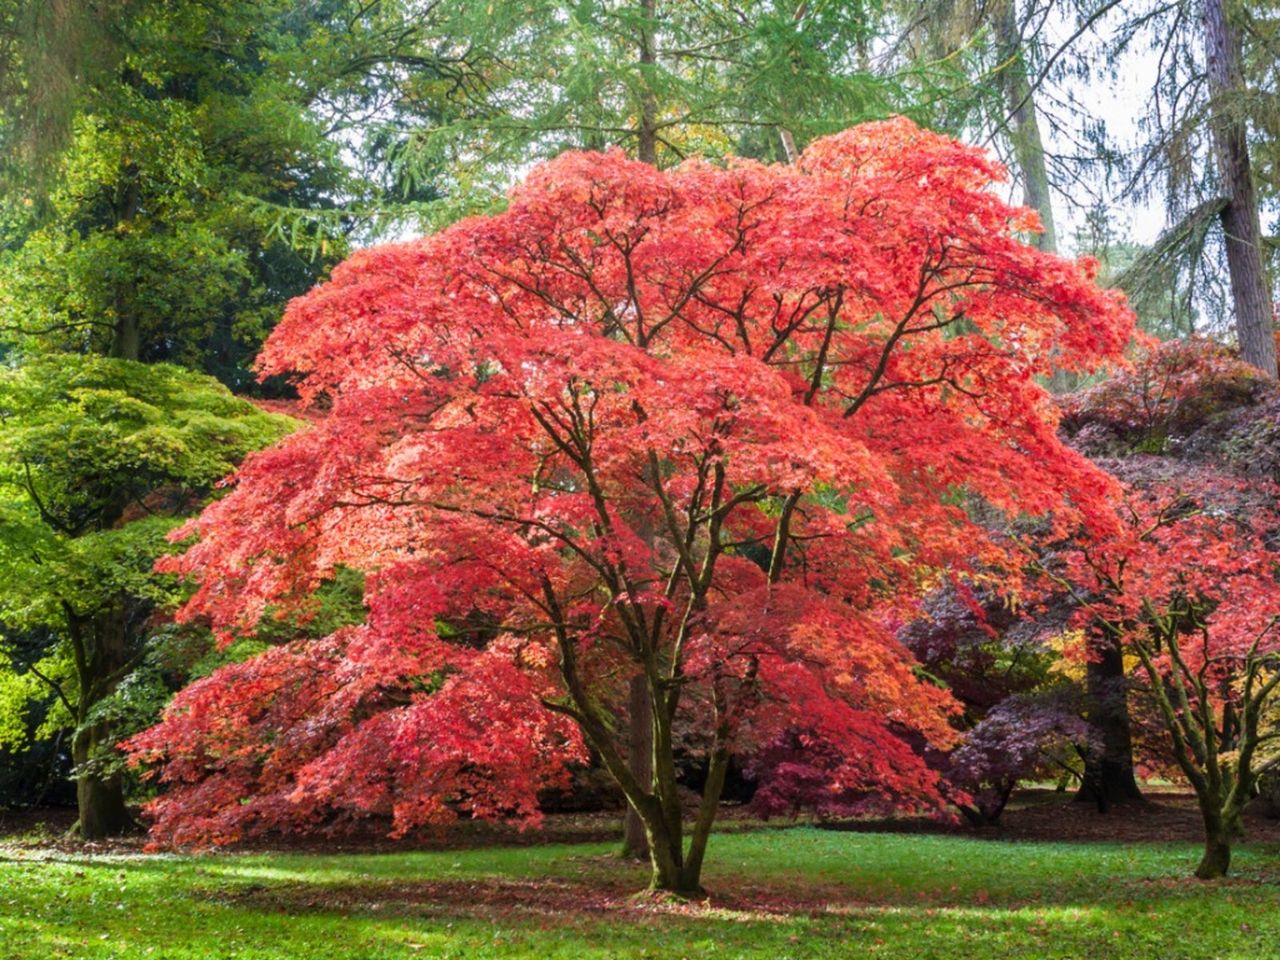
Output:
(1189, 589)
(717, 427)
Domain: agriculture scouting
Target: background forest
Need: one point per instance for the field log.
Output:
(207, 257)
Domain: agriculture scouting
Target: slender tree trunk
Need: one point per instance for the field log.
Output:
(790, 152)
(1023, 125)
(125, 340)
(711, 792)
(1024, 137)
(1108, 773)
(673, 869)
(647, 138)
(1250, 289)
(789, 149)
(636, 841)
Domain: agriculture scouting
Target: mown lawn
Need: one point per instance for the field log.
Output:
(798, 892)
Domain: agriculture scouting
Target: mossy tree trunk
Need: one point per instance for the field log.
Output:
(1022, 124)
(1217, 845)
(635, 840)
(656, 801)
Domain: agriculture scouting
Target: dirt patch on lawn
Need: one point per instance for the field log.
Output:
(610, 894)
(487, 897)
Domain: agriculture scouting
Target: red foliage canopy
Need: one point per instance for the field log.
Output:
(715, 425)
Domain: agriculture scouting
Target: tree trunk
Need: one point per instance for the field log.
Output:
(670, 875)
(666, 853)
(100, 647)
(1250, 289)
(1217, 844)
(1024, 137)
(125, 342)
(647, 138)
(666, 872)
(673, 869)
(1023, 126)
(635, 841)
(1108, 773)
(99, 800)
(125, 339)
(789, 148)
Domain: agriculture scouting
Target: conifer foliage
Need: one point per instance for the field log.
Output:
(719, 426)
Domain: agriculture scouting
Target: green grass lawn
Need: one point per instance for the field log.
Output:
(778, 893)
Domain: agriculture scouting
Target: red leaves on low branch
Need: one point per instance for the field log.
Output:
(710, 425)
(1189, 535)
(1189, 589)
(1172, 387)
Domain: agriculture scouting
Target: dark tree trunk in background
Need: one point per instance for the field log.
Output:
(1250, 289)
(635, 840)
(647, 138)
(100, 649)
(1108, 768)
(99, 799)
